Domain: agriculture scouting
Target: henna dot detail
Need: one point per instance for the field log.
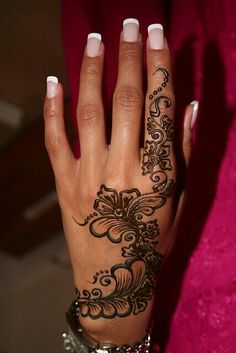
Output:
(151, 96)
(159, 89)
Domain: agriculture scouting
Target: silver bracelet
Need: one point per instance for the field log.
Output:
(76, 340)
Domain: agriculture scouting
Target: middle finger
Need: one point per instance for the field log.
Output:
(128, 95)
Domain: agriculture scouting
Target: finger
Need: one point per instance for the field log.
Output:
(159, 105)
(90, 114)
(128, 95)
(56, 142)
(189, 121)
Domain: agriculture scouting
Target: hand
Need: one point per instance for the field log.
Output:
(118, 201)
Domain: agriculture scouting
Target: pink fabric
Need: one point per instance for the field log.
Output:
(196, 305)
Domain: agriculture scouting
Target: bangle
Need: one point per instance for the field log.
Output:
(76, 340)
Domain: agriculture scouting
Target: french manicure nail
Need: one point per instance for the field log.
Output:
(93, 44)
(130, 30)
(52, 83)
(156, 36)
(195, 112)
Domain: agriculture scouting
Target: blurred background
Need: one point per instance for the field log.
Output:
(35, 277)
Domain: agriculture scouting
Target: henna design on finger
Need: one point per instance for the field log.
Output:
(160, 127)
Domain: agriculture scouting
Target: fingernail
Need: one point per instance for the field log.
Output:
(93, 44)
(52, 83)
(156, 37)
(130, 30)
(195, 112)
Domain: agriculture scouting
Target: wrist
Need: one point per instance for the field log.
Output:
(78, 340)
(119, 331)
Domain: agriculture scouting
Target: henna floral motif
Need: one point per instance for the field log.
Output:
(156, 155)
(119, 212)
(129, 286)
(130, 290)
(125, 217)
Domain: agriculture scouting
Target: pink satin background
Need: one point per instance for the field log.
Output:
(196, 303)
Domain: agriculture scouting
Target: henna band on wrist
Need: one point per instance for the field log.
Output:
(76, 340)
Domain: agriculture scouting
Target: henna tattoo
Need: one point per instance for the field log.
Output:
(121, 211)
(125, 218)
(160, 127)
(87, 219)
(129, 285)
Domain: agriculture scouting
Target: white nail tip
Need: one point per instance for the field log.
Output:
(155, 26)
(52, 79)
(130, 20)
(195, 105)
(195, 112)
(95, 35)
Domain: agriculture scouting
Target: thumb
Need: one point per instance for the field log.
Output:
(189, 121)
(188, 124)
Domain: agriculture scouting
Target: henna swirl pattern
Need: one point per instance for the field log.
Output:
(125, 218)
(160, 128)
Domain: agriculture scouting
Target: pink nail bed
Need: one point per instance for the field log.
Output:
(52, 83)
(130, 30)
(156, 36)
(93, 44)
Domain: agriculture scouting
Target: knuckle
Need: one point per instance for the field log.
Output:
(118, 175)
(129, 98)
(50, 110)
(88, 194)
(129, 54)
(53, 144)
(88, 112)
(91, 71)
